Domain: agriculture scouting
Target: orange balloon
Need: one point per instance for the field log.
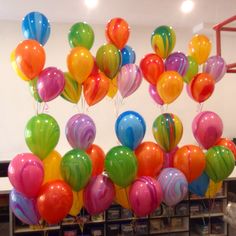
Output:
(80, 63)
(30, 58)
(95, 88)
(97, 157)
(228, 144)
(112, 88)
(150, 159)
(122, 196)
(190, 159)
(169, 86)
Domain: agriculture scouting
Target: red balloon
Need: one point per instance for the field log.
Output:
(152, 67)
(228, 144)
(54, 201)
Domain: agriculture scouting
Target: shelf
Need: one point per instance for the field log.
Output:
(28, 229)
(165, 216)
(206, 215)
(196, 234)
(127, 219)
(204, 198)
(168, 231)
(88, 222)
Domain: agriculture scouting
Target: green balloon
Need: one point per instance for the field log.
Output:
(81, 34)
(192, 70)
(219, 163)
(42, 134)
(76, 169)
(121, 165)
(33, 89)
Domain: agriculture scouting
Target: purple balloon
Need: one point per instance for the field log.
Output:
(145, 195)
(24, 208)
(98, 194)
(50, 83)
(216, 67)
(80, 131)
(207, 128)
(177, 61)
(154, 95)
(174, 186)
(169, 158)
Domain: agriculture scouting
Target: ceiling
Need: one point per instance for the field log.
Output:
(136, 12)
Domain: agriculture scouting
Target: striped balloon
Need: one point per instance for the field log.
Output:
(36, 26)
(129, 79)
(128, 55)
(174, 186)
(167, 130)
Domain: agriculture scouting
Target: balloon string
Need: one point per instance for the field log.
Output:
(199, 107)
(45, 107)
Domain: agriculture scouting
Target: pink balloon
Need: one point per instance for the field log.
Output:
(145, 195)
(26, 174)
(50, 83)
(207, 128)
(168, 158)
(98, 194)
(154, 95)
(129, 79)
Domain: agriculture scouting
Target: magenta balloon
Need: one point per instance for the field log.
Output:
(26, 174)
(145, 195)
(50, 83)
(154, 95)
(207, 128)
(168, 158)
(129, 79)
(177, 61)
(98, 194)
(216, 67)
(80, 131)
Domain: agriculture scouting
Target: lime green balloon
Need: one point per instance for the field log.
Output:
(42, 134)
(219, 163)
(192, 70)
(121, 165)
(33, 89)
(108, 59)
(81, 34)
(76, 169)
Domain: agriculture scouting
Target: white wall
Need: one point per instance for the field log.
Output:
(17, 105)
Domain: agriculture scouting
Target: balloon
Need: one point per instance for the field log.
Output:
(108, 59)
(169, 86)
(228, 144)
(117, 32)
(76, 169)
(145, 196)
(154, 95)
(167, 130)
(219, 163)
(36, 26)
(54, 201)
(178, 62)
(80, 131)
(121, 165)
(122, 196)
(200, 185)
(129, 79)
(216, 67)
(169, 158)
(174, 186)
(42, 134)
(77, 203)
(128, 55)
(24, 208)
(81, 34)
(95, 88)
(26, 173)
(152, 67)
(80, 63)
(34, 90)
(199, 48)
(150, 159)
(190, 160)
(230, 214)
(51, 166)
(163, 40)
(95, 70)
(130, 129)
(112, 88)
(97, 157)
(72, 89)
(201, 87)
(191, 71)
(50, 83)
(213, 189)
(98, 194)
(207, 128)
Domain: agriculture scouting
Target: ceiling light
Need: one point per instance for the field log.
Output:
(91, 3)
(187, 6)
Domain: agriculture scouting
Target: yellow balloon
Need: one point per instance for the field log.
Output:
(213, 189)
(122, 196)
(52, 167)
(112, 88)
(199, 48)
(77, 203)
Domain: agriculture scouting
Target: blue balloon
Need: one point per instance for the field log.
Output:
(130, 129)
(36, 26)
(200, 185)
(128, 55)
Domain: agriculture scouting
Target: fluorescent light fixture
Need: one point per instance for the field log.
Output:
(91, 3)
(187, 6)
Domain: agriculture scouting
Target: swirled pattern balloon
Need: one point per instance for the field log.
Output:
(128, 55)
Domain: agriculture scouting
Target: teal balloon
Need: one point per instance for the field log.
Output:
(121, 165)
(42, 134)
(76, 169)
